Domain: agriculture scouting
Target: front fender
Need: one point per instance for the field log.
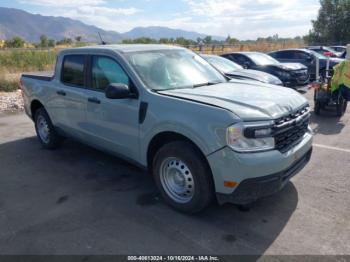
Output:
(202, 124)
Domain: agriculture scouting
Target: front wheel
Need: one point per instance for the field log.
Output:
(341, 106)
(317, 108)
(45, 131)
(183, 177)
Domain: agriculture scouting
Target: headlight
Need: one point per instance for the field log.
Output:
(277, 82)
(283, 74)
(250, 138)
(310, 130)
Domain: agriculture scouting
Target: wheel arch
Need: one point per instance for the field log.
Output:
(166, 137)
(34, 106)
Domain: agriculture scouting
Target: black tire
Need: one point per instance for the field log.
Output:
(199, 169)
(323, 73)
(317, 108)
(341, 106)
(53, 140)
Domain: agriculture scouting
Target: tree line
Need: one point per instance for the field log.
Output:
(44, 42)
(208, 40)
(179, 41)
(332, 25)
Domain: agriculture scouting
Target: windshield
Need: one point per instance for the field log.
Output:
(317, 54)
(173, 69)
(262, 59)
(222, 64)
(330, 49)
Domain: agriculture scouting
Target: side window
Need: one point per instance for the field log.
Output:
(275, 55)
(284, 55)
(301, 56)
(229, 57)
(242, 60)
(280, 55)
(73, 70)
(106, 71)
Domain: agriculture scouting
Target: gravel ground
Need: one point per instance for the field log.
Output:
(11, 102)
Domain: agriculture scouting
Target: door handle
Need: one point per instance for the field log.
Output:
(94, 100)
(61, 93)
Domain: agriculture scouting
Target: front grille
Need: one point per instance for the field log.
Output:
(301, 75)
(289, 130)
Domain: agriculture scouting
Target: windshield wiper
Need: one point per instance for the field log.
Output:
(189, 86)
(206, 84)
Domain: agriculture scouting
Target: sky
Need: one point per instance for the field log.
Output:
(242, 19)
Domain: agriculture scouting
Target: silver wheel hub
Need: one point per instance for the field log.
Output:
(43, 129)
(177, 180)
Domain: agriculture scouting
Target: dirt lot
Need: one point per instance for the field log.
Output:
(80, 201)
(11, 102)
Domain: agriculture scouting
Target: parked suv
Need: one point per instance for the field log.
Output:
(291, 75)
(235, 71)
(324, 50)
(169, 111)
(307, 58)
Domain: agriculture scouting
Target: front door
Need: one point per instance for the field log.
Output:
(112, 124)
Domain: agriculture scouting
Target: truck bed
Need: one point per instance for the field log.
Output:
(43, 76)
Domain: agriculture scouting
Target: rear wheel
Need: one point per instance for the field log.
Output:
(183, 177)
(45, 131)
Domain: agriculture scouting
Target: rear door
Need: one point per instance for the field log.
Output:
(69, 102)
(111, 123)
(305, 59)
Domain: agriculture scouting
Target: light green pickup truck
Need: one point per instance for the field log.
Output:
(166, 109)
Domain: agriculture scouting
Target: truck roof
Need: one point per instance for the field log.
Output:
(126, 48)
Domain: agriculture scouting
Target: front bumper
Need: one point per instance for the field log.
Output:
(248, 168)
(294, 83)
(252, 189)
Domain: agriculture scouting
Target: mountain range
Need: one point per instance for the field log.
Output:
(16, 22)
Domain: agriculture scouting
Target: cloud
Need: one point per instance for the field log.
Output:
(245, 19)
(242, 19)
(213, 7)
(105, 11)
(64, 3)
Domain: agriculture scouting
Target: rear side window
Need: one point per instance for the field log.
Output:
(283, 55)
(73, 70)
(107, 71)
(301, 55)
(242, 60)
(278, 55)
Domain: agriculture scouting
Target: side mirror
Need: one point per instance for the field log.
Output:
(118, 91)
(246, 65)
(309, 59)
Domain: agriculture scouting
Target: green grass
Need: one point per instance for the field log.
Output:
(17, 61)
(8, 85)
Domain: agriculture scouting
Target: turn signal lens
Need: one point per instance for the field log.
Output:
(230, 184)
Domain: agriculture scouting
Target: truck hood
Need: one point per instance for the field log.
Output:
(256, 75)
(249, 101)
